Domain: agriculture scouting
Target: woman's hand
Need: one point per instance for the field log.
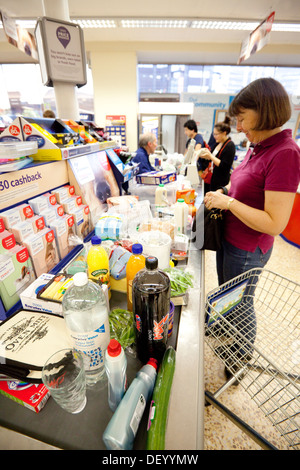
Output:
(205, 153)
(216, 200)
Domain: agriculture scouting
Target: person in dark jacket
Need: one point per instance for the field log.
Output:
(222, 156)
(147, 146)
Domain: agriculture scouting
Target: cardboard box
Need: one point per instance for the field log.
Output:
(32, 396)
(43, 251)
(16, 273)
(30, 301)
(156, 177)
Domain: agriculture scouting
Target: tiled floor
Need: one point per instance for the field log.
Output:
(220, 433)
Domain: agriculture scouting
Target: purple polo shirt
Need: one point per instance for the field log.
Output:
(273, 165)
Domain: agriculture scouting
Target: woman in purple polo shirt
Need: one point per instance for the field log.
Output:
(259, 197)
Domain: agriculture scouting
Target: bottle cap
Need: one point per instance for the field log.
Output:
(151, 262)
(161, 185)
(152, 362)
(96, 240)
(180, 200)
(114, 348)
(137, 248)
(80, 279)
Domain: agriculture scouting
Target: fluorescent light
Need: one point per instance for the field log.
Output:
(154, 23)
(229, 25)
(292, 27)
(95, 23)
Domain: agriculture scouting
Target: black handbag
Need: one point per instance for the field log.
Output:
(207, 228)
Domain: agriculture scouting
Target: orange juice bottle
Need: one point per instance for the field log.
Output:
(135, 263)
(98, 263)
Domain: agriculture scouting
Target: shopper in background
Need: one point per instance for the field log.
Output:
(259, 197)
(191, 131)
(222, 156)
(147, 146)
(48, 113)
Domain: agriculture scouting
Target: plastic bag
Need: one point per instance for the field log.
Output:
(121, 327)
(181, 280)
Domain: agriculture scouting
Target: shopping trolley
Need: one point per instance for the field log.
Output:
(253, 325)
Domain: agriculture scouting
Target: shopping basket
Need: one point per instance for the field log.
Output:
(253, 325)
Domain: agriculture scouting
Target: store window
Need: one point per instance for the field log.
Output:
(22, 93)
(160, 78)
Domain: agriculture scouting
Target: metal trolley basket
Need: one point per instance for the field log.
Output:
(253, 325)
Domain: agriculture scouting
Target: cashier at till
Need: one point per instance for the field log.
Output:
(147, 146)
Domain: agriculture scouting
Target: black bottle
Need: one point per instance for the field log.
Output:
(151, 306)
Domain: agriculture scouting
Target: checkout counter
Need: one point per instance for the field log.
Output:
(83, 431)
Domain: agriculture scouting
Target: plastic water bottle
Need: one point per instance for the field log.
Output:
(115, 366)
(86, 315)
(122, 428)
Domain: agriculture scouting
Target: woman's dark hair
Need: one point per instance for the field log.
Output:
(224, 126)
(268, 98)
(191, 125)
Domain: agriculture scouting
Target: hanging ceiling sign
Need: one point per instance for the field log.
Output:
(257, 39)
(61, 51)
(19, 37)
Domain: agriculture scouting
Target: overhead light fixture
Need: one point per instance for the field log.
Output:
(154, 23)
(95, 23)
(207, 24)
(229, 25)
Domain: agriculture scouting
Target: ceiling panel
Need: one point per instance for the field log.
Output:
(154, 43)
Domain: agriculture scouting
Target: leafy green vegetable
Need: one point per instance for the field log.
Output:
(121, 326)
(180, 281)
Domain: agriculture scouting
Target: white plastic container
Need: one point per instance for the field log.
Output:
(158, 244)
(122, 428)
(181, 212)
(115, 366)
(85, 311)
